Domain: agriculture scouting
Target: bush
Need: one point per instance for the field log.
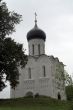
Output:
(36, 95)
(71, 108)
(69, 92)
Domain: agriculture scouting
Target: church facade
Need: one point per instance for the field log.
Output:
(42, 75)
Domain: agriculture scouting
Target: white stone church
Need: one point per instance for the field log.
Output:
(43, 74)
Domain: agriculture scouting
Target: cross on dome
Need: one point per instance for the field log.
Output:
(35, 19)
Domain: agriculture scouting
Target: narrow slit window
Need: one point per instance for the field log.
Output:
(44, 71)
(39, 49)
(29, 73)
(33, 49)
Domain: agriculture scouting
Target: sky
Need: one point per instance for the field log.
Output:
(55, 18)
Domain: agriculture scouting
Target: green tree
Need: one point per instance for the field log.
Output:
(68, 86)
(8, 20)
(11, 53)
(69, 92)
(68, 79)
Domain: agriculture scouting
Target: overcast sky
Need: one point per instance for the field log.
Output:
(55, 17)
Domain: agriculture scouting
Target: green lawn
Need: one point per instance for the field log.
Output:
(42, 103)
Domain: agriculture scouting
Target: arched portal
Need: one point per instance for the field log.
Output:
(59, 96)
(29, 94)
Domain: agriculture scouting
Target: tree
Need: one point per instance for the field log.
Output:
(68, 79)
(68, 86)
(11, 53)
(69, 92)
(7, 20)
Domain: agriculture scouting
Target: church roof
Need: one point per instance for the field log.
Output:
(36, 33)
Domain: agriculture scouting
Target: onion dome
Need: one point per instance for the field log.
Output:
(36, 33)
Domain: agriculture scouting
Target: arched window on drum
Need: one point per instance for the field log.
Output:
(29, 73)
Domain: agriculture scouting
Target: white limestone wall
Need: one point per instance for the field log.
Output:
(36, 42)
(38, 83)
(58, 83)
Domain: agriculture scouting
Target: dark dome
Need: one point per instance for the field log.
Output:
(36, 33)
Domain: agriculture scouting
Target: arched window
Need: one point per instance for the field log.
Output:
(33, 49)
(39, 49)
(29, 73)
(44, 71)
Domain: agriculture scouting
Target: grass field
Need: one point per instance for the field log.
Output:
(41, 103)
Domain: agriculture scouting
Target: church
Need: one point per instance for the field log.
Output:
(43, 74)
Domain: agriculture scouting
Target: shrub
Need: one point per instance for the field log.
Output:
(69, 92)
(36, 95)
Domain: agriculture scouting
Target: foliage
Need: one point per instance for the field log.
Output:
(37, 95)
(11, 57)
(2, 84)
(41, 103)
(71, 108)
(11, 53)
(68, 79)
(68, 86)
(69, 92)
(7, 20)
